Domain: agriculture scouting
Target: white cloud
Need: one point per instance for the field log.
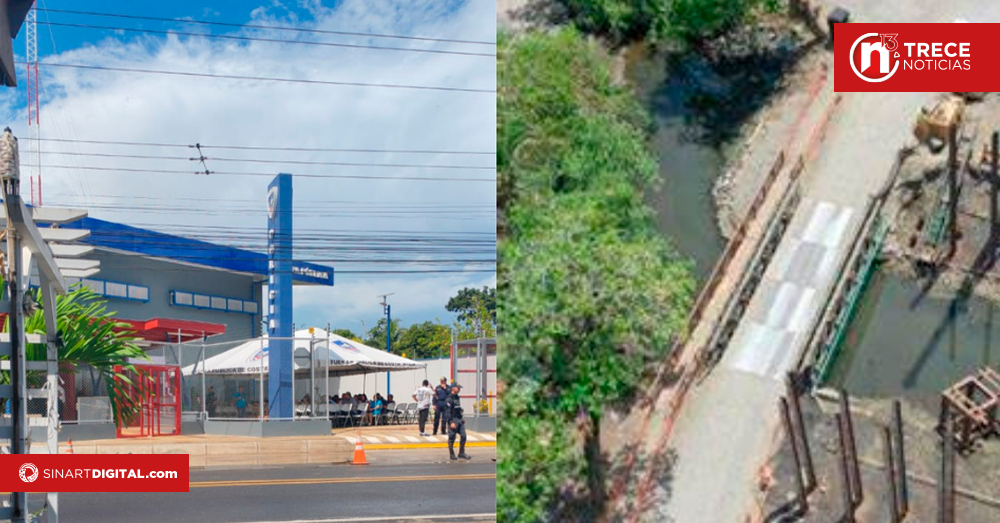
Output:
(414, 300)
(96, 105)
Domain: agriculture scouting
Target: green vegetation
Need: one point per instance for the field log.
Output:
(425, 340)
(477, 316)
(90, 336)
(466, 305)
(375, 337)
(347, 333)
(658, 21)
(590, 294)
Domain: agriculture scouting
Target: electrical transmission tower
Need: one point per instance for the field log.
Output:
(34, 145)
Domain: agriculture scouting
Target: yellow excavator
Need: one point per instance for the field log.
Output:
(935, 122)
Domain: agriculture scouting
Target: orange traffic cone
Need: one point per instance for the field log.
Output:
(70, 451)
(359, 453)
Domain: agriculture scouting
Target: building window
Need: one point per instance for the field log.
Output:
(112, 289)
(205, 301)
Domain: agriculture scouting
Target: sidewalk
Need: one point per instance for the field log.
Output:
(212, 450)
(407, 437)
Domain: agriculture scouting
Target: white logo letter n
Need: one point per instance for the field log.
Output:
(867, 49)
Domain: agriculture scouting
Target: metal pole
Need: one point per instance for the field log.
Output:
(845, 472)
(479, 374)
(953, 186)
(845, 411)
(312, 377)
(454, 350)
(180, 351)
(260, 398)
(994, 181)
(388, 342)
(791, 385)
(890, 474)
(786, 418)
(327, 372)
(204, 398)
(946, 484)
(18, 376)
(897, 424)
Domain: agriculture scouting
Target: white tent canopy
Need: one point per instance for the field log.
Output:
(338, 354)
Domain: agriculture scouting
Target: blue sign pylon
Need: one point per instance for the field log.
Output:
(279, 298)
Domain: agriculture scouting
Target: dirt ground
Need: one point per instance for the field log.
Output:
(977, 475)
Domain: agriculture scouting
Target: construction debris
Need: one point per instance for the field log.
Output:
(970, 406)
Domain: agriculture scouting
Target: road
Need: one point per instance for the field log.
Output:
(315, 493)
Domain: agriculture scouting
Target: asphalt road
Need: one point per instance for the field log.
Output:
(323, 493)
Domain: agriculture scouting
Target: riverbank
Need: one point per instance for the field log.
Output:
(797, 60)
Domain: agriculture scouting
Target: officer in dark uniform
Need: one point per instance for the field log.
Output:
(441, 406)
(456, 425)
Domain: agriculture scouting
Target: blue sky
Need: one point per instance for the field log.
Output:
(149, 108)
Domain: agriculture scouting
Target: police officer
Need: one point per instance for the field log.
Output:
(441, 406)
(456, 425)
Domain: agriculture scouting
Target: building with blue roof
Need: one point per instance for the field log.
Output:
(173, 288)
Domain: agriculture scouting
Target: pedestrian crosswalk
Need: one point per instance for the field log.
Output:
(777, 322)
(398, 438)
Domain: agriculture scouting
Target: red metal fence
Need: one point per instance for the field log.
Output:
(156, 389)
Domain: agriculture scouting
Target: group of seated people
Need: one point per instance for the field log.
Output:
(376, 404)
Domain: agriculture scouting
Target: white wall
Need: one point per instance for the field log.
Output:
(406, 381)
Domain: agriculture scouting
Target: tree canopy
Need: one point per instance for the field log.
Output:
(679, 21)
(590, 294)
(375, 337)
(425, 340)
(349, 334)
(465, 304)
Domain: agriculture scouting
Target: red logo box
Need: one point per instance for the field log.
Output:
(94, 472)
(956, 57)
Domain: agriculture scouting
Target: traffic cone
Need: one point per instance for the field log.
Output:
(359, 453)
(70, 451)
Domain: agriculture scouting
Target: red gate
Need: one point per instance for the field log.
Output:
(156, 390)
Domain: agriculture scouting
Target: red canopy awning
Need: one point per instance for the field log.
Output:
(166, 329)
(173, 330)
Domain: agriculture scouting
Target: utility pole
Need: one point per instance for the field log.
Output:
(27, 247)
(34, 145)
(388, 334)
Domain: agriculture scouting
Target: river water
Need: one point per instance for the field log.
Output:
(904, 343)
(683, 203)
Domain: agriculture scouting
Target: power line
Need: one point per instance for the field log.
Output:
(298, 204)
(269, 27)
(233, 173)
(257, 160)
(272, 40)
(266, 78)
(349, 232)
(264, 147)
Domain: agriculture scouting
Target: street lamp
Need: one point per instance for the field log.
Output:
(388, 334)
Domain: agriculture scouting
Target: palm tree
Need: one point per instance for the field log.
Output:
(90, 335)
